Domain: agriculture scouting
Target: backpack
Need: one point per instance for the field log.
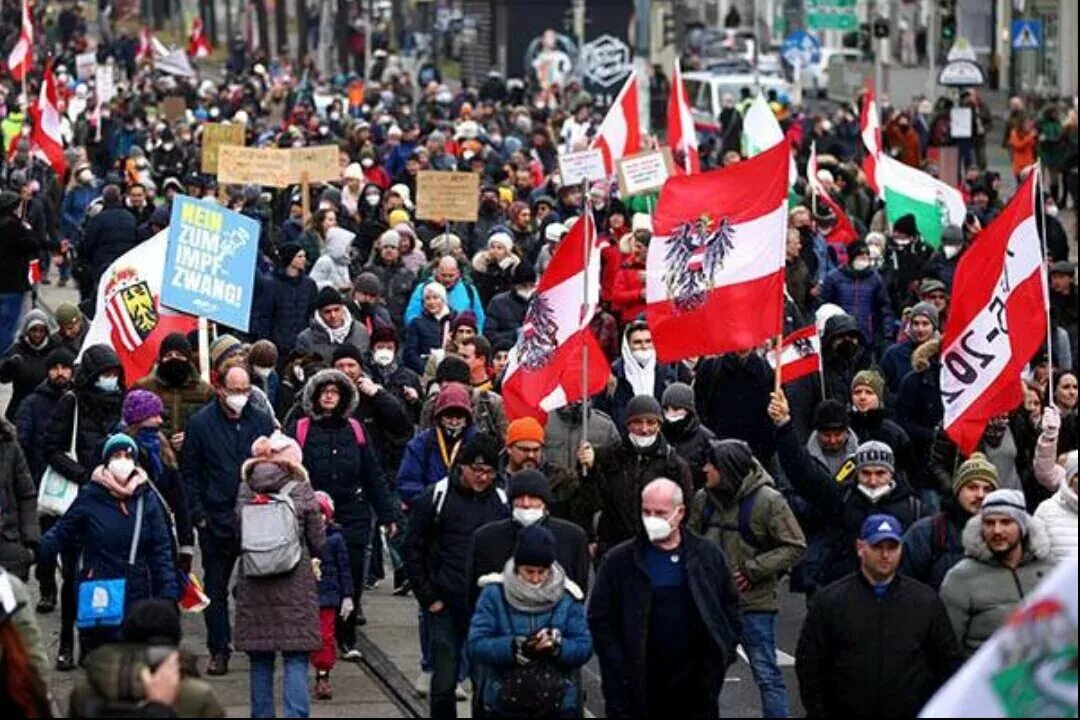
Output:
(270, 534)
(303, 425)
(442, 488)
(746, 511)
(939, 536)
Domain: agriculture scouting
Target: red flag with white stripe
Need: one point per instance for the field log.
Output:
(680, 127)
(21, 57)
(544, 371)
(46, 134)
(145, 49)
(870, 127)
(198, 43)
(996, 321)
(619, 134)
(800, 354)
(715, 271)
(844, 232)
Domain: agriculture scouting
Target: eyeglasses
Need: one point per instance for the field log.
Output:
(484, 470)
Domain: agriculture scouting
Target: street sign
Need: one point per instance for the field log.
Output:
(962, 73)
(961, 50)
(1027, 34)
(801, 49)
(831, 15)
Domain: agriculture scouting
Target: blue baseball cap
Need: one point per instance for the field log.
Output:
(881, 527)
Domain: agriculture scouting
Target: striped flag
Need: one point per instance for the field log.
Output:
(21, 57)
(907, 190)
(619, 135)
(870, 129)
(198, 44)
(680, 127)
(46, 134)
(800, 354)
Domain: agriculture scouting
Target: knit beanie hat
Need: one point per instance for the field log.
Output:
(67, 313)
(278, 448)
(524, 429)
(871, 379)
(524, 274)
(830, 415)
(535, 547)
(225, 347)
(176, 342)
(368, 283)
(117, 442)
(643, 406)
(328, 296)
(529, 482)
(1009, 503)
(140, 405)
(679, 395)
(263, 353)
(929, 312)
(465, 318)
(453, 396)
(326, 504)
(287, 252)
(383, 333)
(60, 356)
(875, 454)
(976, 467)
(397, 216)
(905, 225)
(347, 351)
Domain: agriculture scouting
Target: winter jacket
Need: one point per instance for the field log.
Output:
(691, 442)
(933, 545)
(1059, 515)
(732, 399)
(73, 211)
(619, 620)
(862, 294)
(562, 436)
(862, 656)
(505, 316)
(101, 526)
(896, 363)
(946, 458)
(332, 268)
(438, 543)
(423, 465)
(919, 409)
(109, 234)
(463, 296)
(615, 404)
(628, 296)
(840, 501)
(23, 619)
(764, 546)
(19, 247)
(98, 416)
(24, 366)
(980, 592)
(32, 423)
(492, 278)
(494, 543)
(1047, 471)
(335, 581)
(620, 474)
(282, 308)
(838, 371)
(423, 334)
(19, 528)
(346, 471)
(317, 340)
(495, 625)
(280, 613)
(876, 425)
(215, 448)
(180, 402)
(397, 282)
(370, 315)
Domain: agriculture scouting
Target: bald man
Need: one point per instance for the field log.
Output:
(664, 615)
(461, 295)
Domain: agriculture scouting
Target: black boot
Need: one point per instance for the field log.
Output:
(65, 659)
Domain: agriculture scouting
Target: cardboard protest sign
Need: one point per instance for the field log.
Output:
(213, 137)
(261, 166)
(447, 195)
(320, 162)
(645, 172)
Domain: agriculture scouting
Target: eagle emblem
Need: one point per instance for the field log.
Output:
(803, 347)
(539, 334)
(696, 250)
(131, 307)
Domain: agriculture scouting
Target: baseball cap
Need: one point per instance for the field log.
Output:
(881, 527)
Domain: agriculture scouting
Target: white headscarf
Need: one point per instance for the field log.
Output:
(641, 378)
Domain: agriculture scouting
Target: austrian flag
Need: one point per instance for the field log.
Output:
(800, 354)
(619, 135)
(715, 271)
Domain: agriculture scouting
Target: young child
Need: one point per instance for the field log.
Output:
(335, 581)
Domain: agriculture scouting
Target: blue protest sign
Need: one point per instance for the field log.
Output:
(801, 49)
(210, 262)
(1027, 34)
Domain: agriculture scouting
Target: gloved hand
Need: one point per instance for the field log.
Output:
(520, 656)
(347, 607)
(1051, 422)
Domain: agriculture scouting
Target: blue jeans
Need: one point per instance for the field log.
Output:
(759, 641)
(10, 311)
(218, 559)
(448, 630)
(294, 692)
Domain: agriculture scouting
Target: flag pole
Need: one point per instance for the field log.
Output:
(680, 94)
(586, 217)
(1038, 189)
(204, 348)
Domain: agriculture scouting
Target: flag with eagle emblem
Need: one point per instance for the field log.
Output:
(715, 271)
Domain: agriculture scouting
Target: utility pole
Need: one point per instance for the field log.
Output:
(642, 46)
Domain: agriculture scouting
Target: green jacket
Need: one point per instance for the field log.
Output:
(27, 626)
(777, 541)
(1052, 144)
(180, 403)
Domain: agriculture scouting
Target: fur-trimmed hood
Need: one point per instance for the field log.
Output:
(1036, 544)
(349, 396)
(482, 260)
(923, 355)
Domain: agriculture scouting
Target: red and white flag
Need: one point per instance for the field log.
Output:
(619, 135)
(996, 321)
(198, 43)
(844, 232)
(680, 127)
(870, 127)
(46, 135)
(800, 354)
(145, 50)
(21, 57)
(715, 271)
(544, 371)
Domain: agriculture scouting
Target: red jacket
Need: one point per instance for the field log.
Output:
(611, 259)
(628, 298)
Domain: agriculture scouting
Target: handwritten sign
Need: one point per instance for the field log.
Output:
(320, 162)
(577, 167)
(447, 195)
(644, 173)
(214, 136)
(85, 64)
(241, 165)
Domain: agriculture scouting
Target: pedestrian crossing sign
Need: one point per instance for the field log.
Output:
(1027, 34)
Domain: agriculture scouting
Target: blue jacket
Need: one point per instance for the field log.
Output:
(423, 464)
(336, 581)
(463, 296)
(73, 210)
(214, 449)
(933, 545)
(395, 159)
(496, 623)
(31, 424)
(896, 363)
(101, 527)
(282, 308)
(423, 334)
(109, 234)
(863, 295)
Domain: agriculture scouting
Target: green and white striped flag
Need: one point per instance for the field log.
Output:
(906, 190)
(761, 131)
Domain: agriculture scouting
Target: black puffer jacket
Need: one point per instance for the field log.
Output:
(282, 308)
(23, 365)
(109, 234)
(691, 442)
(839, 371)
(99, 414)
(876, 425)
(18, 501)
(505, 316)
(32, 424)
(732, 396)
(19, 245)
(348, 472)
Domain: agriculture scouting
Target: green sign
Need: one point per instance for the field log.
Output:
(831, 15)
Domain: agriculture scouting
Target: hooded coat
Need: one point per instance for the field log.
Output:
(1058, 513)
(332, 267)
(23, 365)
(839, 371)
(316, 339)
(919, 409)
(19, 528)
(282, 308)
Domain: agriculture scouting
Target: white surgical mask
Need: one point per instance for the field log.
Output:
(108, 383)
(950, 251)
(121, 467)
(875, 494)
(263, 372)
(528, 516)
(642, 441)
(526, 294)
(643, 357)
(383, 357)
(372, 200)
(237, 403)
(657, 528)
(366, 163)
(859, 264)
(674, 416)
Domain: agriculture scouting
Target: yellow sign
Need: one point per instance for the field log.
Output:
(447, 195)
(241, 166)
(320, 162)
(213, 137)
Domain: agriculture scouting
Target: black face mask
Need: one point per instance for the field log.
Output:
(175, 372)
(571, 414)
(847, 349)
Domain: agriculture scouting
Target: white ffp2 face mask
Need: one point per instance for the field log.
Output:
(121, 468)
(237, 403)
(383, 357)
(528, 516)
(642, 441)
(875, 494)
(657, 528)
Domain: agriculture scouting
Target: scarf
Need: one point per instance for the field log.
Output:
(337, 335)
(116, 488)
(149, 439)
(527, 598)
(641, 379)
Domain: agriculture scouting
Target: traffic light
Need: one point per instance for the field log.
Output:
(881, 28)
(947, 9)
(670, 33)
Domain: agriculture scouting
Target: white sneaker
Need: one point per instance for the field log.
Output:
(352, 654)
(422, 686)
(460, 693)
